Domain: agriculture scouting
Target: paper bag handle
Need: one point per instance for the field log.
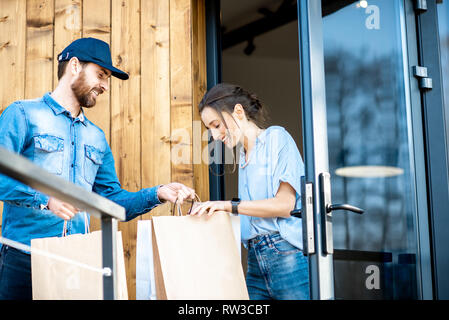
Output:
(86, 226)
(177, 206)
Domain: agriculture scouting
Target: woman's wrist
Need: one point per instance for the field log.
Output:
(228, 206)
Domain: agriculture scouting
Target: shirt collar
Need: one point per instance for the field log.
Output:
(261, 139)
(58, 109)
(82, 117)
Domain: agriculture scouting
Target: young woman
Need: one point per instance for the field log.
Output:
(270, 168)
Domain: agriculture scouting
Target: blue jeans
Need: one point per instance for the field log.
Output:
(276, 270)
(15, 274)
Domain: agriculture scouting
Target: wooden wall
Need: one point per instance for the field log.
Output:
(161, 44)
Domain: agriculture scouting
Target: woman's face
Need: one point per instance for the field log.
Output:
(229, 136)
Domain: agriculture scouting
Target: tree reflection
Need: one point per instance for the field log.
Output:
(367, 125)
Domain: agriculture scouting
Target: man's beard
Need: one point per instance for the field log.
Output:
(83, 93)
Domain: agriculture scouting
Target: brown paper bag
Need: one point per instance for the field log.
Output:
(53, 279)
(196, 258)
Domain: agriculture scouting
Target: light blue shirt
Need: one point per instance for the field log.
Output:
(274, 159)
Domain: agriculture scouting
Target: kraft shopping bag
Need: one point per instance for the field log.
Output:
(53, 279)
(145, 281)
(197, 258)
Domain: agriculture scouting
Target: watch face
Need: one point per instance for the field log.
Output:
(235, 200)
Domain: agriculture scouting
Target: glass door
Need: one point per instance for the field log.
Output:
(363, 147)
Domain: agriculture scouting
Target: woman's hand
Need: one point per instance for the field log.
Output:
(279, 206)
(199, 208)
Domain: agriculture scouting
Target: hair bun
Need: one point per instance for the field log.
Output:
(255, 101)
(239, 90)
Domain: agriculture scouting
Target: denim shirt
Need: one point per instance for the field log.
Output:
(274, 159)
(71, 148)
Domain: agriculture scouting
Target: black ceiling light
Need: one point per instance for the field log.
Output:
(250, 47)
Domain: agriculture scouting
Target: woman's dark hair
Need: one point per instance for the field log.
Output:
(224, 96)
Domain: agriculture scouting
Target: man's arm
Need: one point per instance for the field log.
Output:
(135, 203)
(13, 137)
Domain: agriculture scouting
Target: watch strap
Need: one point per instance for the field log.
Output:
(235, 203)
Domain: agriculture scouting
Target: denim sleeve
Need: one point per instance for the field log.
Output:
(13, 137)
(107, 185)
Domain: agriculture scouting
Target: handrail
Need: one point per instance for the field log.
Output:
(25, 171)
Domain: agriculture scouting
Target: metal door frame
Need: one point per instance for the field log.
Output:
(436, 147)
(214, 76)
(313, 97)
(313, 100)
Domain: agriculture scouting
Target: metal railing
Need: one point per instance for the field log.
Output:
(25, 171)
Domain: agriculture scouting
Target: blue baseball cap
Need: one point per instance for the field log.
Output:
(92, 50)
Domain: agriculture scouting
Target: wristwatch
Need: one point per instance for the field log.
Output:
(235, 203)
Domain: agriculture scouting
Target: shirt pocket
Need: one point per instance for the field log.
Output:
(92, 161)
(49, 152)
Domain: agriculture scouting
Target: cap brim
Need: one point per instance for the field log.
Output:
(114, 71)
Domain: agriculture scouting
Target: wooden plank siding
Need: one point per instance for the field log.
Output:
(151, 120)
(155, 86)
(96, 23)
(39, 48)
(12, 53)
(125, 112)
(67, 28)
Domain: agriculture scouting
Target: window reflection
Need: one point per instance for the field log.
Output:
(367, 126)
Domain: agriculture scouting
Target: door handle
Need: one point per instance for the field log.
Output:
(331, 207)
(326, 212)
(348, 207)
(296, 213)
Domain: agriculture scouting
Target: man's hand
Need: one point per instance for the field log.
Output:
(62, 209)
(175, 191)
